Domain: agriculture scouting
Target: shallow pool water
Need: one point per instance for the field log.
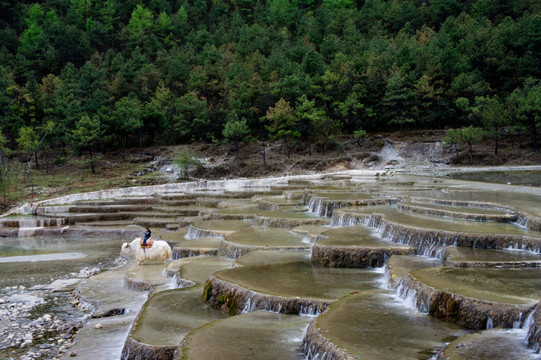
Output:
(30, 261)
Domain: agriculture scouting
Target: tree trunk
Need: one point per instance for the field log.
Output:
(92, 162)
(29, 164)
(140, 142)
(237, 156)
(495, 146)
(471, 152)
(287, 149)
(264, 156)
(309, 148)
(36, 158)
(534, 136)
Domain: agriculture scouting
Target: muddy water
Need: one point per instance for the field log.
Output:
(352, 236)
(362, 324)
(511, 286)
(462, 255)
(300, 279)
(491, 344)
(256, 335)
(281, 212)
(258, 235)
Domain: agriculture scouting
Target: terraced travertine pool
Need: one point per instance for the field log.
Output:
(331, 267)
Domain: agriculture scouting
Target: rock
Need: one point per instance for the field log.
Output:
(98, 326)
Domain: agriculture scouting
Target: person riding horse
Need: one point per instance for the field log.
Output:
(148, 233)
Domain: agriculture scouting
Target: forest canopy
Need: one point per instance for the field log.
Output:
(94, 75)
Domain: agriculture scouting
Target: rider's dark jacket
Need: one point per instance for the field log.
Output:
(147, 236)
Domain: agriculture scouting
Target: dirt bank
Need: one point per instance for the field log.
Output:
(379, 152)
(61, 174)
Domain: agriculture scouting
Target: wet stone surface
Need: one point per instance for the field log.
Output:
(491, 344)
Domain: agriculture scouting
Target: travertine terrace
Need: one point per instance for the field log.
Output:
(341, 255)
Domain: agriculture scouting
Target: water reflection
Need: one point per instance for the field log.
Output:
(528, 178)
(29, 261)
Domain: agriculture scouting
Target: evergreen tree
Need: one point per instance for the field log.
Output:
(234, 132)
(86, 135)
(282, 123)
(398, 101)
(494, 117)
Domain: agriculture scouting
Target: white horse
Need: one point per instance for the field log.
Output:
(160, 250)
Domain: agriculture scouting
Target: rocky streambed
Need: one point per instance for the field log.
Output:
(43, 321)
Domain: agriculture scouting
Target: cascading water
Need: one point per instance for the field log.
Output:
(426, 242)
(409, 297)
(532, 328)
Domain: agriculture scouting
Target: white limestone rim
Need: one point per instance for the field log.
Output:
(237, 184)
(458, 169)
(228, 184)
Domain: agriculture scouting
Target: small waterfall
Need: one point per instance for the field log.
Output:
(490, 323)
(307, 239)
(342, 220)
(28, 231)
(29, 226)
(196, 233)
(532, 327)
(384, 282)
(316, 347)
(182, 283)
(29, 222)
(309, 310)
(247, 307)
(528, 322)
(259, 221)
(315, 205)
(516, 324)
(231, 253)
(522, 221)
(313, 239)
(408, 297)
